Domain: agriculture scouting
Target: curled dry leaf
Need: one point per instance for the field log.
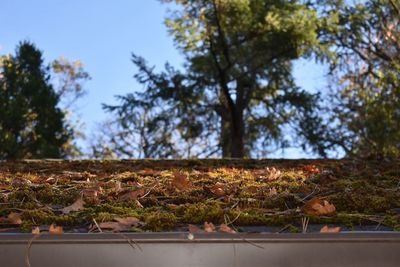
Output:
(311, 169)
(319, 207)
(272, 192)
(218, 189)
(131, 195)
(181, 181)
(117, 187)
(14, 218)
(273, 174)
(193, 229)
(226, 229)
(121, 224)
(209, 227)
(56, 230)
(36, 230)
(327, 229)
(76, 206)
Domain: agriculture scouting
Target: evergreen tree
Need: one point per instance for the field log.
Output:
(236, 95)
(31, 124)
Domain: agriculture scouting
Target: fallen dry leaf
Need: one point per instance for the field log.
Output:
(90, 195)
(193, 228)
(311, 169)
(181, 181)
(56, 230)
(318, 207)
(121, 224)
(327, 229)
(209, 227)
(36, 230)
(272, 192)
(131, 195)
(76, 206)
(14, 218)
(117, 187)
(218, 189)
(273, 174)
(226, 229)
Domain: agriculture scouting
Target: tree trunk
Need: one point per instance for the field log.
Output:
(225, 138)
(237, 135)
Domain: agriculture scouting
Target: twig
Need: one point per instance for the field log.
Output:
(98, 227)
(284, 228)
(145, 195)
(130, 241)
(304, 223)
(28, 250)
(312, 193)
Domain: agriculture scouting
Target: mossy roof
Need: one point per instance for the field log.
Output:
(168, 195)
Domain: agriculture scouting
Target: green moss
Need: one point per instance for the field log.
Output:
(106, 212)
(47, 217)
(198, 213)
(159, 221)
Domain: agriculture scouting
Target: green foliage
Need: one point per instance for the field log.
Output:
(235, 94)
(31, 124)
(365, 105)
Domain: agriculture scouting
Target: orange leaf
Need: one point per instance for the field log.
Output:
(56, 230)
(226, 229)
(218, 189)
(193, 228)
(318, 207)
(209, 227)
(327, 229)
(181, 181)
(273, 174)
(311, 169)
(14, 218)
(36, 230)
(76, 206)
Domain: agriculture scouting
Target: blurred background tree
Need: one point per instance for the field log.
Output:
(236, 94)
(32, 122)
(364, 106)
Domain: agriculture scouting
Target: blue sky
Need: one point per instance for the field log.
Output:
(103, 34)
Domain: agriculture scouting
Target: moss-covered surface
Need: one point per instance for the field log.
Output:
(168, 195)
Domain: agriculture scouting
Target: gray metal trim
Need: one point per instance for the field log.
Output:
(175, 249)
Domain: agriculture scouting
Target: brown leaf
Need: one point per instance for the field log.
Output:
(327, 229)
(209, 227)
(131, 195)
(226, 229)
(193, 229)
(56, 230)
(117, 187)
(272, 192)
(36, 230)
(14, 218)
(218, 189)
(181, 181)
(76, 206)
(311, 169)
(121, 224)
(318, 207)
(90, 195)
(273, 174)
(131, 221)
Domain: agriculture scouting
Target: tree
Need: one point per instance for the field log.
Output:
(365, 118)
(70, 77)
(31, 124)
(235, 93)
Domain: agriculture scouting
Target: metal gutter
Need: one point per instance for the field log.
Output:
(178, 249)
